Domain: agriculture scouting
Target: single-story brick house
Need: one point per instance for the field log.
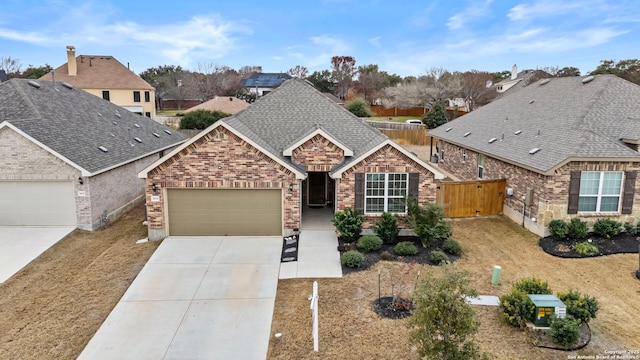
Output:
(568, 147)
(68, 157)
(254, 173)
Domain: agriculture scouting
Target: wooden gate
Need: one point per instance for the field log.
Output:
(471, 198)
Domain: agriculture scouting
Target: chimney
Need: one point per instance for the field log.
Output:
(514, 72)
(71, 61)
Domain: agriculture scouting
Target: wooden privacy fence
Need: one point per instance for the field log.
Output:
(471, 198)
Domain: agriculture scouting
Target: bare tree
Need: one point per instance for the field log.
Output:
(213, 80)
(298, 71)
(10, 66)
(370, 82)
(437, 85)
(248, 70)
(477, 89)
(343, 71)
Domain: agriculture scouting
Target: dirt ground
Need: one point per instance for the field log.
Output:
(349, 329)
(53, 306)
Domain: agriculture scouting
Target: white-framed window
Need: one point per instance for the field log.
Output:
(480, 166)
(600, 191)
(385, 192)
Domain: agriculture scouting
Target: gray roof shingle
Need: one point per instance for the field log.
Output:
(293, 110)
(74, 123)
(566, 118)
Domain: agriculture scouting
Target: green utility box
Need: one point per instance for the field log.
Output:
(546, 305)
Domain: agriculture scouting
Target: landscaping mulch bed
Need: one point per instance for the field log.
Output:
(370, 258)
(619, 244)
(385, 308)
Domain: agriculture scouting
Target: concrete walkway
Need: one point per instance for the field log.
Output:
(196, 298)
(318, 255)
(20, 245)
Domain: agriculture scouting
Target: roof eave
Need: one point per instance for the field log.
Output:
(337, 173)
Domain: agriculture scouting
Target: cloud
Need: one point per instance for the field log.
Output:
(544, 8)
(477, 10)
(375, 41)
(27, 37)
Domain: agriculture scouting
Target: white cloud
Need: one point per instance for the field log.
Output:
(474, 11)
(375, 41)
(545, 8)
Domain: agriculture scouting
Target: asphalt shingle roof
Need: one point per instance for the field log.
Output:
(74, 123)
(293, 110)
(565, 118)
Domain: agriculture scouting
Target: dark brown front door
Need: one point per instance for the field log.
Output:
(317, 189)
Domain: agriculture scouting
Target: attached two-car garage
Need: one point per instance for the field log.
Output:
(224, 212)
(37, 203)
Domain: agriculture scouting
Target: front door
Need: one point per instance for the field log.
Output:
(317, 189)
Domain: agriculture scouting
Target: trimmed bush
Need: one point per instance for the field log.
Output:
(359, 107)
(405, 248)
(352, 259)
(387, 227)
(369, 243)
(578, 229)
(201, 119)
(517, 308)
(428, 222)
(607, 228)
(452, 247)
(581, 307)
(630, 229)
(564, 331)
(558, 229)
(387, 256)
(533, 285)
(439, 258)
(586, 248)
(348, 223)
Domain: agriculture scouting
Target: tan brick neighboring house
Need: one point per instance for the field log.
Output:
(568, 147)
(69, 158)
(256, 172)
(107, 78)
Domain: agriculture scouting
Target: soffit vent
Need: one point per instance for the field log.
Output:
(467, 134)
(492, 140)
(588, 79)
(35, 84)
(137, 139)
(533, 151)
(103, 149)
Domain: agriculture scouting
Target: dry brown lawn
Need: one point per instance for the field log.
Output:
(53, 306)
(349, 329)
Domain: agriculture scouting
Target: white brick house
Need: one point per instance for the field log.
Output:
(70, 158)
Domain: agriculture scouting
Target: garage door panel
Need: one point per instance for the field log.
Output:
(33, 203)
(232, 212)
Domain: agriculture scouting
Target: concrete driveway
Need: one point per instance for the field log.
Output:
(196, 298)
(19, 245)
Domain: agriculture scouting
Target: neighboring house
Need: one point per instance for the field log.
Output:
(256, 172)
(106, 77)
(68, 157)
(263, 83)
(226, 104)
(3, 76)
(568, 147)
(518, 80)
(334, 98)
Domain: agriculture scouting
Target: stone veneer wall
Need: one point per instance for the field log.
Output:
(220, 159)
(385, 160)
(115, 191)
(550, 193)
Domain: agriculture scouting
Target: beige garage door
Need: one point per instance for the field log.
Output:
(236, 212)
(37, 203)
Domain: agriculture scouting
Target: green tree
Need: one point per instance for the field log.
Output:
(627, 69)
(436, 116)
(568, 71)
(428, 221)
(33, 72)
(359, 107)
(322, 81)
(443, 324)
(201, 119)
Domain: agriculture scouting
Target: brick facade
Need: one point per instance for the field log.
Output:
(114, 191)
(385, 160)
(222, 160)
(550, 193)
(318, 154)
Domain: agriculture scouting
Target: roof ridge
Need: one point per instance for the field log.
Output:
(27, 100)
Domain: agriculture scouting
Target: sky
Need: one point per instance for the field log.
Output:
(402, 37)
